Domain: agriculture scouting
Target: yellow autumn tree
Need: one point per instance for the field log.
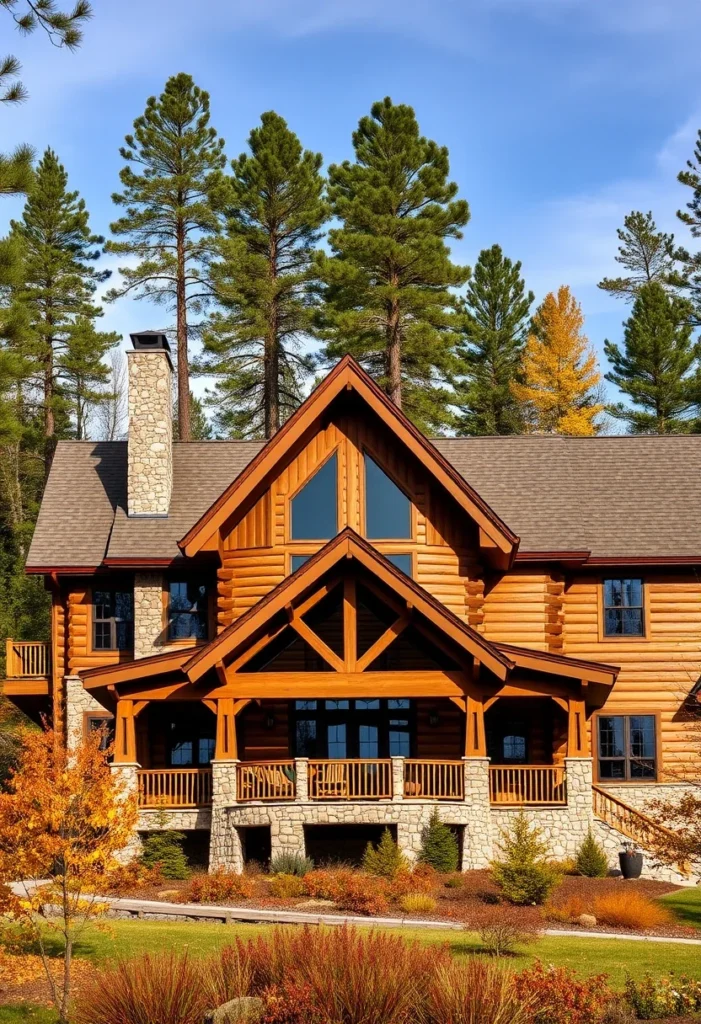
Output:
(64, 820)
(561, 377)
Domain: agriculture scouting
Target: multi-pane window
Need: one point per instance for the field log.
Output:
(188, 610)
(387, 508)
(623, 607)
(102, 723)
(314, 509)
(626, 747)
(113, 620)
(367, 728)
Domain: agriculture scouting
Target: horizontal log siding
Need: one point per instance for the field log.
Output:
(80, 655)
(516, 609)
(657, 672)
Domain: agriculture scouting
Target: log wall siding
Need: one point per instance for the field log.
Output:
(58, 657)
(78, 654)
(658, 671)
(517, 609)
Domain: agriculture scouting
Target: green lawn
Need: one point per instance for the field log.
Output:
(686, 904)
(587, 956)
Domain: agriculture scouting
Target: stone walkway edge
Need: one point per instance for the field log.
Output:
(190, 911)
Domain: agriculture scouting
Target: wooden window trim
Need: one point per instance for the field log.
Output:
(320, 541)
(604, 637)
(99, 652)
(367, 449)
(595, 748)
(106, 716)
(188, 641)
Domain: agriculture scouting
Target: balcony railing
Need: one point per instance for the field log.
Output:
(271, 780)
(434, 780)
(350, 780)
(527, 784)
(27, 659)
(175, 787)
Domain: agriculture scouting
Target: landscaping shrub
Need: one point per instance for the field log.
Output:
(524, 875)
(568, 910)
(475, 992)
(628, 909)
(591, 860)
(502, 929)
(385, 859)
(349, 890)
(222, 885)
(454, 882)
(286, 887)
(164, 851)
(666, 997)
(421, 880)
(290, 1003)
(439, 847)
(160, 989)
(558, 996)
(291, 864)
(418, 903)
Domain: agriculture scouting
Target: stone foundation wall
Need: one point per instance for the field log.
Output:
(184, 820)
(78, 701)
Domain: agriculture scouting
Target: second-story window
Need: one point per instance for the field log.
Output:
(387, 508)
(113, 620)
(623, 607)
(314, 508)
(188, 611)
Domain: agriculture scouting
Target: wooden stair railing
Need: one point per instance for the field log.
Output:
(633, 824)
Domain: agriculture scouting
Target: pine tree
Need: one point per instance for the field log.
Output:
(386, 859)
(560, 372)
(200, 427)
(648, 255)
(439, 847)
(53, 307)
(496, 325)
(388, 279)
(659, 367)
(591, 861)
(171, 219)
(264, 282)
(64, 28)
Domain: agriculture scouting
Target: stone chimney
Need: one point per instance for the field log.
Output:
(150, 444)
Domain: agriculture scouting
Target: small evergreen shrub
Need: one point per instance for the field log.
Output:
(591, 860)
(291, 864)
(385, 859)
(439, 847)
(524, 874)
(454, 882)
(164, 850)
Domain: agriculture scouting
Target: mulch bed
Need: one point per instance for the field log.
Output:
(454, 904)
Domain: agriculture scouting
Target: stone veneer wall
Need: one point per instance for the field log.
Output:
(149, 626)
(150, 443)
(78, 701)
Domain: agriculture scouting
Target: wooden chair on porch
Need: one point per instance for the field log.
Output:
(329, 780)
(264, 782)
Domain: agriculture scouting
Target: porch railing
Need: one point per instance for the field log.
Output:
(434, 780)
(350, 780)
(175, 787)
(271, 780)
(527, 784)
(27, 659)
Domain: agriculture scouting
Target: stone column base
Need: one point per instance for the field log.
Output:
(477, 839)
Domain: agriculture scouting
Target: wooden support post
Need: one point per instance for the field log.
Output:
(475, 738)
(125, 733)
(226, 748)
(577, 738)
(350, 624)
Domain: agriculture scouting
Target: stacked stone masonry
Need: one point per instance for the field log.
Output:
(150, 463)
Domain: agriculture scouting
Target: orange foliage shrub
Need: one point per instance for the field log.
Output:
(286, 887)
(357, 893)
(628, 909)
(568, 910)
(222, 885)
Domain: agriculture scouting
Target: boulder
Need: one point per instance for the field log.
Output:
(244, 1010)
(168, 894)
(315, 903)
(586, 920)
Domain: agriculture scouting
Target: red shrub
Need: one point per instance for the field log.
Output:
(476, 992)
(291, 1004)
(350, 890)
(559, 996)
(406, 883)
(503, 928)
(222, 885)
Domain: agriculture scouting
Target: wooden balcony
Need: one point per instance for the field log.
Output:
(270, 780)
(175, 787)
(350, 780)
(27, 667)
(522, 785)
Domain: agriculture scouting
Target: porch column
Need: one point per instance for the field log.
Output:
(225, 850)
(475, 737)
(302, 779)
(580, 804)
(125, 733)
(397, 778)
(126, 777)
(477, 844)
(577, 736)
(226, 747)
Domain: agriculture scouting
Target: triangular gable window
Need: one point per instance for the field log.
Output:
(387, 508)
(314, 509)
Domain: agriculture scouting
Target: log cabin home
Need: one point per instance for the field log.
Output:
(300, 642)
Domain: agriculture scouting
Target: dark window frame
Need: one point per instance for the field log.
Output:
(113, 620)
(354, 717)
(619, 610)
(367, 453)
(628, 757)
(332, 456)
(202, 615)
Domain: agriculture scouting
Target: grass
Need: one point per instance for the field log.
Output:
(685, 904)
(616, 958)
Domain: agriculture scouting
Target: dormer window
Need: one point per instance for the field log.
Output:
(387, 508)
(314, 508)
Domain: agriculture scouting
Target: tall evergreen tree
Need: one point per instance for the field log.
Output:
(691, 217)
(264, 282)
(496, 326)
(64, 28)
(171, 219)
(659, 367)
(560, 374)
(54, 304)
(389, 275)
(646, 253)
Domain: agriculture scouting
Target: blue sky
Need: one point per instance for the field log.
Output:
(560, 116)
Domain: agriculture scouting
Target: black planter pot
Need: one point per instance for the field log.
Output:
(631, 864)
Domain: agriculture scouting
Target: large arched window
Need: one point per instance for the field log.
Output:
(314, 509)
(387, 508)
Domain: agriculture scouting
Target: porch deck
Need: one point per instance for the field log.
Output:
(27, 667)
(343, 780)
